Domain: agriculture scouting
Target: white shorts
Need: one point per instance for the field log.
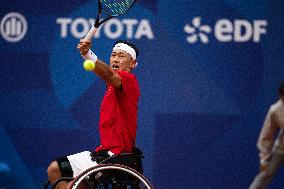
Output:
(82, 161)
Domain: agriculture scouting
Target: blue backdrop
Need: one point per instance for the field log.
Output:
(208, 72)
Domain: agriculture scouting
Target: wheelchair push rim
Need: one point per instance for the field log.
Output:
(103, 167)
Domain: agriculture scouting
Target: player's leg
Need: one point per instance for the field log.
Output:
(73, 165)
(54, 174)
(264, 177)
(58, 169)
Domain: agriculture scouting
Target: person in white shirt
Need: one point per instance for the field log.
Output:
(270, 146)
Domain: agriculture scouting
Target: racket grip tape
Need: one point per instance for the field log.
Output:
(91, 34)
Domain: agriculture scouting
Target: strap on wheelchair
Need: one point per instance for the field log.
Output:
(99, 156)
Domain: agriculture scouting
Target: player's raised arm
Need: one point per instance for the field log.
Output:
(106, 73)
(100, 68)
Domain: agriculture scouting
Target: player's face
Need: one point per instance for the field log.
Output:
(121, 61)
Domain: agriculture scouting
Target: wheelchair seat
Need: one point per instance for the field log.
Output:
(132, 160)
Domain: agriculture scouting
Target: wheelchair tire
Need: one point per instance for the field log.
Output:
(94, 174)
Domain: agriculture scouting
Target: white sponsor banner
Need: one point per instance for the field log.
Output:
(225, 30)
(112, 29)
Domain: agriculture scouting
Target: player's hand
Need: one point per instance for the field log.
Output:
(84, 46)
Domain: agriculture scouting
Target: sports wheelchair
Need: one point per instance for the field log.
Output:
(122, 171)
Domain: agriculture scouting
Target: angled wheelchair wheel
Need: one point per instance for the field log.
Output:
(111, 176)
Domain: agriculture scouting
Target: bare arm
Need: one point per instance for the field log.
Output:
(106, 73)
(266, 138)
(102, 70)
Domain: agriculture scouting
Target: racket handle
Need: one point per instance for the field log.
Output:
(91, 34)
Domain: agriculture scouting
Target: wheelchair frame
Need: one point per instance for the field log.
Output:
(110, 164)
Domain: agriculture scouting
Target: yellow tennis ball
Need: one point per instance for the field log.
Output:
(89, 65)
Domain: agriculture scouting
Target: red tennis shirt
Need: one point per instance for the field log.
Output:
(118, 115)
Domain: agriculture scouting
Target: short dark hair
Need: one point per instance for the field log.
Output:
(281, 88)
(130, 44)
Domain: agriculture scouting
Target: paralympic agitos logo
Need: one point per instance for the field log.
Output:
(225, 30)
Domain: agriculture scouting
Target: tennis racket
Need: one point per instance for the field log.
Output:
(112, 8)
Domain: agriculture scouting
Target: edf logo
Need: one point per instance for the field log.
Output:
(239, 30)
(13, 27)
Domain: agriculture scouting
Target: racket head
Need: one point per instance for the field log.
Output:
(116, 7)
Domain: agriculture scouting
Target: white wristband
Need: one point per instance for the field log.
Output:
(90, 56)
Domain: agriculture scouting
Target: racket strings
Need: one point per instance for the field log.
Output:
(116, 7)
